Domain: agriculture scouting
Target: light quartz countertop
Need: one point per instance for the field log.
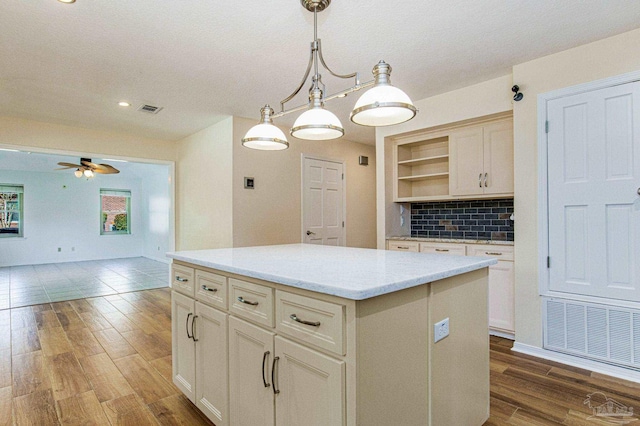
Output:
(352, 273)
(452, 240)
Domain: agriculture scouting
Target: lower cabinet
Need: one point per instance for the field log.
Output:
(199, 335)
(275, 381)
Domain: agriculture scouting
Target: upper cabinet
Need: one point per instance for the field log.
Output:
(473, 160)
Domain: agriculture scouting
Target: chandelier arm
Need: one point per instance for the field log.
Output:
(304, 80)
(351, 89)
(324, 64)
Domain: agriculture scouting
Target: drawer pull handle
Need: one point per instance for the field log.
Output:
(264, 362)
(311, 323)
(485, 180)
(480, 180)
(273, 375)
(187, 325)
(182, 280)
(442, 249)
(205, 288)
(402, 247)
(193, 324)
(241, 299)
(493, 253)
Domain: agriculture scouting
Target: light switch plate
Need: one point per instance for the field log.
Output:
(440, 330)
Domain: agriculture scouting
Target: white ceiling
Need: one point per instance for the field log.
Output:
(201, 59)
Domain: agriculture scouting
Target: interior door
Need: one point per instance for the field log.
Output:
(322, 202)
(594, 204)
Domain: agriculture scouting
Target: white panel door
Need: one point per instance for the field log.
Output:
(183, 356)
(594, 205)
(250, 389)
(311, 387)
(322, 202)
(210, 332)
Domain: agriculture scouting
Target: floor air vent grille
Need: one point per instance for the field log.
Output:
(600, 332)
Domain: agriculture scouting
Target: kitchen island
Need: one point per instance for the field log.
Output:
(315, 335)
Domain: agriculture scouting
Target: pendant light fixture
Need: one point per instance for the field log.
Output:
(381, 105)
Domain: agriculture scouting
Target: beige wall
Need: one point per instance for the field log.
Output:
(204, 188)
(601, 59)
(75, 140)
(489, 97)
(271, 213)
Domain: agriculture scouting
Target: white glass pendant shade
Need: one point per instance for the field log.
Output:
(317, 124)
(383, 105)
(78, 173)
(265, 136)
(88, 173)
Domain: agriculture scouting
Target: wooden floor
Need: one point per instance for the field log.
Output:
(107, 360)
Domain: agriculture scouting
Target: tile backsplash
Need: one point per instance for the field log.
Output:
(464, 219)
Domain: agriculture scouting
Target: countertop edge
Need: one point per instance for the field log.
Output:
(451, 240)
(337, 291)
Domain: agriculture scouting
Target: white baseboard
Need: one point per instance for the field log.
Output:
(574, 361)
(503, 334)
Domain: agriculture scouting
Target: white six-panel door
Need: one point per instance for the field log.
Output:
(593, 184)
(322, 202)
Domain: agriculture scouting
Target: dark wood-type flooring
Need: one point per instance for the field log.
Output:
(107, 360)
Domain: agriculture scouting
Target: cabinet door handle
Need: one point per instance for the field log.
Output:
(182, 280)
(402, 247)
(193, 324)
(493, 253)
(187, 325)
(301, 321)
(264, 362)
(442, 249)
(485, 180)
(205, 288)
(241, 299)
(480, 180)
(273, 375)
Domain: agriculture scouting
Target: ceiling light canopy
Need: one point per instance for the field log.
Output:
(381, 105)
(124, 104)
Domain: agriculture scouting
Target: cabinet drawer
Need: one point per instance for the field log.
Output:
(182, 279)
(403, 246)
(499, 252)
(439, 248)
(312, 321)
(251, 301)
(211, 289)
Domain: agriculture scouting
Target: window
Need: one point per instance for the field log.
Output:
(115, 208)
(11, 210)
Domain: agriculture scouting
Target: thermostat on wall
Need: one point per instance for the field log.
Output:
(248, 183)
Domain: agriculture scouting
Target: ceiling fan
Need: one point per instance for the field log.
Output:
(87, 168)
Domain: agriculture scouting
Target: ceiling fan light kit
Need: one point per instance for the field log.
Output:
(381, 105)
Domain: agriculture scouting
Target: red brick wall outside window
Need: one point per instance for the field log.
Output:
(112, 206)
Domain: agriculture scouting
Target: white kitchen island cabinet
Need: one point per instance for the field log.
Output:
(325, 336)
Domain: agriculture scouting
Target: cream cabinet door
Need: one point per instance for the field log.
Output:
(466, 162)
(210, 332)
(501, 296)
(250, 390)
(498, 158)
(183, 355)
(311, 387)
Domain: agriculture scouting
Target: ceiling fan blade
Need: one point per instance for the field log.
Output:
(106, 169)
(91, 165)
(70, 165)
(64, 168)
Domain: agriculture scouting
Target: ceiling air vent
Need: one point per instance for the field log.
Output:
(150, 109)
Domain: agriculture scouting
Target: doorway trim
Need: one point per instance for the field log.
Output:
(543, 207)
(344, 192)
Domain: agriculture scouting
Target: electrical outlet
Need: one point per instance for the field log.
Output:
(440, 330)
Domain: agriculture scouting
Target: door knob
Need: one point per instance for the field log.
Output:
(313, 233)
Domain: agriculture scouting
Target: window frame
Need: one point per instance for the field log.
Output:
(126, 193)
(19, 190)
